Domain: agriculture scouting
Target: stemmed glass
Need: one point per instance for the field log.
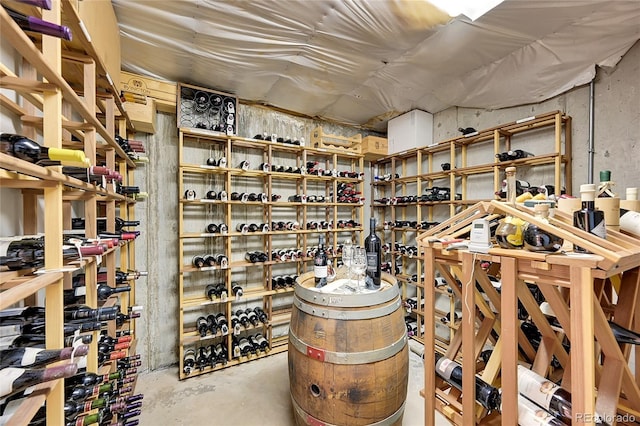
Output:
(359, 263)
(347, 256)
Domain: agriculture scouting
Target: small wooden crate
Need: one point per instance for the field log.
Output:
(164, 92)
(374, 147)
(319, 139)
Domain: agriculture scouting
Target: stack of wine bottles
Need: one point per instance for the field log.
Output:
(273, 137)
(110, 394)
(210, 260)
(212, 324)
(133, 148)
(28, 252)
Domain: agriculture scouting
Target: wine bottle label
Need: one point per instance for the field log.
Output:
(600, 230)
(536, 388)
(529, 414)
(320, 271)
(29, 356)
(372, 262)
(445, 366)
(8, 376)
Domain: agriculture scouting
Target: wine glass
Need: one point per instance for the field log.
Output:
(359, 263)
(347, 256)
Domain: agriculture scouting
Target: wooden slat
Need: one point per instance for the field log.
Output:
(15, 294)
(13, 34)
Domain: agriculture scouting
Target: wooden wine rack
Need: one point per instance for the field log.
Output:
(584, 292)
(52, 73)
(196, 146)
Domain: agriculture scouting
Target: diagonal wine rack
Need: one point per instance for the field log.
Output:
(584, 291)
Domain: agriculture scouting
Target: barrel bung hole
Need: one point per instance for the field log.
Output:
(315, 390)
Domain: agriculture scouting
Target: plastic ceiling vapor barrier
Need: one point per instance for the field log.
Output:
(364, 62)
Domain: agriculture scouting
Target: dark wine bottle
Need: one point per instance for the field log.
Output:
(588, 218)
(37, 25)
(486, 395)
(202, 326)
(34, 357)
(320, 264)
(624, 335)
(374, 257)
(26, 149)
(18, 379)
(104, 291)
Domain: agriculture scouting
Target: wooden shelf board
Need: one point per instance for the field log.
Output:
(15, 294)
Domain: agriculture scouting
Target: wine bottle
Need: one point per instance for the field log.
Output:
(188, 361)
(104, 291)
(588, 218)
(223, 324)
(212, 325)
(374, 257)
(34, 357)
(198, 261)
(237, 289)
(73, 409)
(37, 25)
(530, 414)
(630, 222)
(320, 264)
(624, 335)
(202, 326)
(486, 395)
(13, 380)
(92, 379)
(536, 238)
(547, 394)
(26, 149)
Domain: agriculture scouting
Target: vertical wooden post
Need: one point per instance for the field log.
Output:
(468, 339)
(52, 134)
(509, 339)
(582, 345)
(429, 337)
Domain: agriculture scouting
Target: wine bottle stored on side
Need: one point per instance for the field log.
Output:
(373, 248)
(588, 218)
(37, 25)
(34, 357)
(13, 380)
(547, 394)
(320, 264)
(530, 414)
(486, 395)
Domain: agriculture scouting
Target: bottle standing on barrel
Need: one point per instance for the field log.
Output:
(374, 257)
(588, 218)
(320, 264)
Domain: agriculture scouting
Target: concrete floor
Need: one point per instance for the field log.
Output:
(255, 393)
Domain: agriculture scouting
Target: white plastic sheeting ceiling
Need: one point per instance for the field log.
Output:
(364, 62)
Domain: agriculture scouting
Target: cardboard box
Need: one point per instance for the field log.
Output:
(100, 20)
(143, 117)
(163, 92)
(374, 147)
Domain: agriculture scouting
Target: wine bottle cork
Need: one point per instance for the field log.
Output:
(632, 202)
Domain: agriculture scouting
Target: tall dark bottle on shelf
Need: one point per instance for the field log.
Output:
(320, 264)
(373, 248)
(588, 218)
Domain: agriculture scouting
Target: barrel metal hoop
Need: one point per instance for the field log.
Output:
(349, 358)
(357, 300)
(312, 421)
(318, 311)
